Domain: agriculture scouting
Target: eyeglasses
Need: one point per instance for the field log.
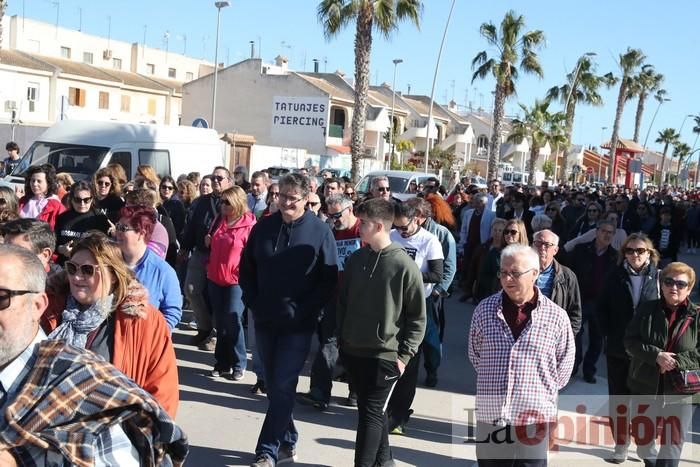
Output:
(636, 251)
(512, 274)
(85, 270)
(289, 199)
(312, 204)
(217, 178)
(123, 227)
(541, 244)
(337, 215)
(275, 193)
(384, 189)
(167, 187)
(7, 294)
(404, 228)
(510, 232)
(668, 282)
(87, 200)
(102, 183)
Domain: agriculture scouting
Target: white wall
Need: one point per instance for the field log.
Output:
(13, 87)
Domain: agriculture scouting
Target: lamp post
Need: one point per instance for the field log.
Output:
(661, 101)
(219, 6)
(600, 159)
(396, 62)
(680, 132)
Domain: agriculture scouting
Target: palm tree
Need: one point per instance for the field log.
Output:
(512, 44)
(629, 62)
(582, 86)
(645, 83)
(696, 130)
(680, 151)
(382, 16)
(540, 127)
(667, 137)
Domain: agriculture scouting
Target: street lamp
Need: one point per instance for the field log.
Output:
(661, 101)
(680, 132)
(219, 6)
(573, 81)
(396, 62)
(600, 159)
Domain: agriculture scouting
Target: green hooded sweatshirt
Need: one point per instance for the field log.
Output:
(381, 305)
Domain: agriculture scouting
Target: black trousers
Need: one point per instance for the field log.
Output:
(399, 408)
(373, 379)
(510, 446)
(619, 399)
(326, 357)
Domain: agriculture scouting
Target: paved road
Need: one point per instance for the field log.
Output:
(222, 418)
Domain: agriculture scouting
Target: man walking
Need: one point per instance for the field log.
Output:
(257, 198)
(288, 274)
(382, 289)
(519, 340)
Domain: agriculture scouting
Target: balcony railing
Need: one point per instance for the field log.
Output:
(335, 131)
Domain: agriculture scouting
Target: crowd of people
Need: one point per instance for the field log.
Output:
(557, 276)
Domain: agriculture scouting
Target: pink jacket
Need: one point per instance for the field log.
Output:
(227, 245)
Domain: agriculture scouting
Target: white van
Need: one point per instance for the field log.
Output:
(82, 147)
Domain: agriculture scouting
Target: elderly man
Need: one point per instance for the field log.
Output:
(557, 282)
(380, 189)
(289, 272)
(53, 404)
(522, 348)
(259, 182)
(34, 235)
(476, 229)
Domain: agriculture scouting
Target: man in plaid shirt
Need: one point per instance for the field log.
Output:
(523, 349)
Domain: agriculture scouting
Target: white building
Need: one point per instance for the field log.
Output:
(49, 73)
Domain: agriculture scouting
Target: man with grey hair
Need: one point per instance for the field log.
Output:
(532, 356)
(541, 222)
(70, 383)
(475, 230)
(259, 182)
(557, 282)
(592, 262)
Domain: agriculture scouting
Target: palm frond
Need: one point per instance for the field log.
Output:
(334, 15)
(489, 32)
(484, 69)
(411, 10)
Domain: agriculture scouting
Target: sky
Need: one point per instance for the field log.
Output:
(665, 31)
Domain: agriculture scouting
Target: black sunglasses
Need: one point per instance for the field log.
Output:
(638, 251)
(123, 227)
(217, 178)
(86, 270)
(510, 232)
(312, 204)
(337, 215)
(668, 282)
(404, 228)
(101, 183)
(87, 200)
(384, 189)
(7, 294)
(167, 187)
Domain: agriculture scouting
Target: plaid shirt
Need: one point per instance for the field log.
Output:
(67, 405)
(518, 381)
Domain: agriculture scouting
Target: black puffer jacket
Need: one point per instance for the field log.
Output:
(615, 306)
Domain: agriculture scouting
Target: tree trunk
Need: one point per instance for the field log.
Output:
(612, 177)
(534, 154)
(363, 48)
(663, 162)
(570, 114)
(495, 146)
(638, 116)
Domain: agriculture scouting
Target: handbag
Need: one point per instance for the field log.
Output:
(683, 381)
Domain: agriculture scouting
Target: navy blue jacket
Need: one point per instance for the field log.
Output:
(289, 272)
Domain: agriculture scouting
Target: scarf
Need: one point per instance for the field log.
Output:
(76, 325)
(630, 270)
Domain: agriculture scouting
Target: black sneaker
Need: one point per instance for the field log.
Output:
(431, 380)
(590, 379)
(258, 388)
(351, 400)
(286, 454)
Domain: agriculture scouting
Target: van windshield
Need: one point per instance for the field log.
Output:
(396, 184)
(72, 158)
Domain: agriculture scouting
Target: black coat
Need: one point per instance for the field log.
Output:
(615, 307)
(582, 260)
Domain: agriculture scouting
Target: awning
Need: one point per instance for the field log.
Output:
(340, 149)
(627, 145)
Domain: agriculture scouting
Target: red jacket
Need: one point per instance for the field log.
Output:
(50, 212)
(227, 245)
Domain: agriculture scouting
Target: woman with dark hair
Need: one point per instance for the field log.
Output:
(666, 237)
(81, 218)
(40, 200)
(272, 200)
(553, 211)
(627, 288)
(99, 305)
(205, 185)
(108, 199)
(588, 221)
(133, 232)
(172, 205)
(8, 200)
(647, 220)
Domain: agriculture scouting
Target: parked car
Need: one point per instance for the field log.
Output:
(399, 181)
(337, 173)
(277, 172)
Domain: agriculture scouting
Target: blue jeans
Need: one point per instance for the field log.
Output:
(228, 308)
(283, 356)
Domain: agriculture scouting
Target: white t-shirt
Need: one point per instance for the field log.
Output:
(422, 247)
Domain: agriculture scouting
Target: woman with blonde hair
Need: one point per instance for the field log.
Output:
(226, 239)
(148, 172)
(632, 284)
(513, 232)
(98, 304)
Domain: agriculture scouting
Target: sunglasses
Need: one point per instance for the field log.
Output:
(510, 232)
(275, 193)
(337, 215)
(167, 187)
(593, 210)
(545, 245)
(7, 294)
(101, 183)
(636, 251)
(313, 204)
(384, 189)
(404, 228)
(85, 270)
(217, 178)
(123, 227)
(668, 282)
(87, 200)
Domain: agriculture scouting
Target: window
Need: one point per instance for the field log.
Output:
(151, 107)
(73, 158)
(482, 142)
(32, 95)
(117, 63)
(151, 68)
(189, 76)
(87, 57)
(104, 100)
(76, 96)
(159, 159)
(172, 73)
(126, 104)
(123, 159)
(65, 52)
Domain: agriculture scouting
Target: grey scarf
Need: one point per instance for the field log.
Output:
(76, 325)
